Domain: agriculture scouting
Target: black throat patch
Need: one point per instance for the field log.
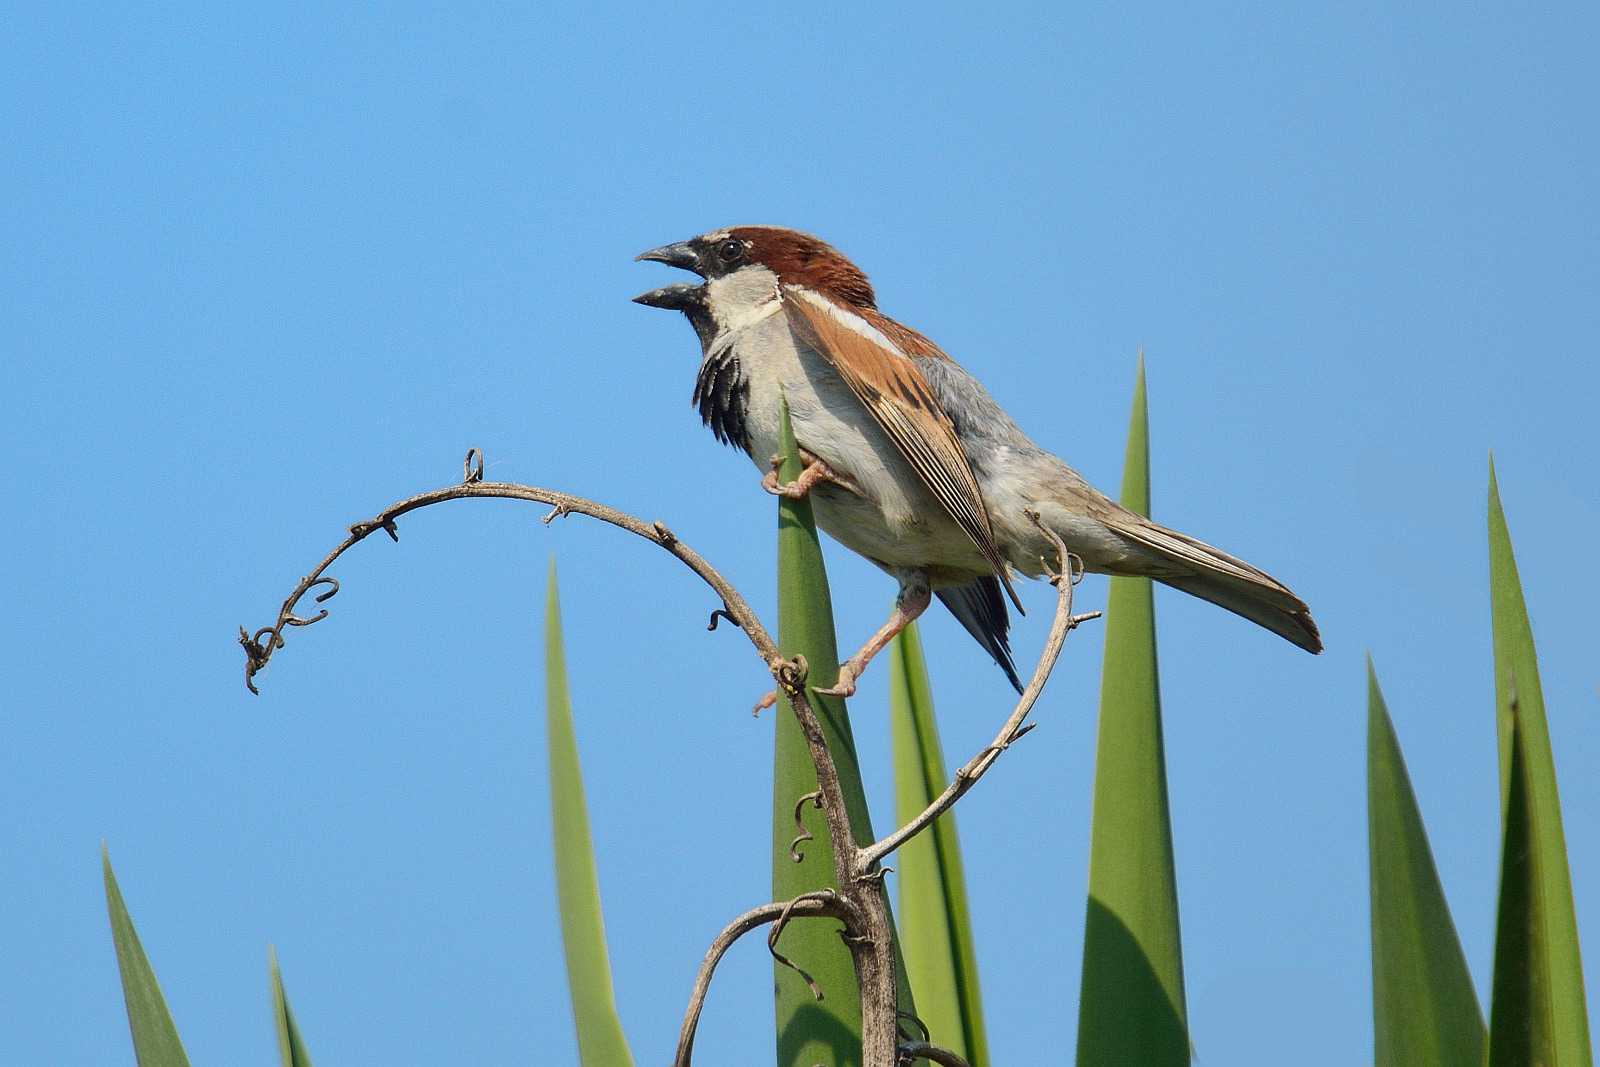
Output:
(721, 393)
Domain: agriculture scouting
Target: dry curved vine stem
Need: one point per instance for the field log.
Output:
(718, 613)
(859, 901)
(858, 870)
(734, 608)
(912, 1051)
(782, 921)
(967, 776)
(815, 799)
(832, 908)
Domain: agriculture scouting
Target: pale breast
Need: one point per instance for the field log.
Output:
(896, 522)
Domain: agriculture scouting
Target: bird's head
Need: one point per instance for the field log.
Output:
(787, 257)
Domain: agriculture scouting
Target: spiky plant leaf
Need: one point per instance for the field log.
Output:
(594, 1010)
(1519, 706)
(1424, 1010)
(155, 1038)
(1132, 1009)
(935, 927)
(809, 1031)
(291, 1046)
(1522, 1023)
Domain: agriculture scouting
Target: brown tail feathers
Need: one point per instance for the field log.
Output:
(1203, 571)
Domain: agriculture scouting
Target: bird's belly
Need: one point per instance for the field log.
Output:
(931, 544)
(894, 521)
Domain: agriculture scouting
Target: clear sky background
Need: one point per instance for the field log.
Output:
(267, 269)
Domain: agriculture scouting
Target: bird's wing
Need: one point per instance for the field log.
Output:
(888, 383)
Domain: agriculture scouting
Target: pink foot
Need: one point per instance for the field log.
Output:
(846, 685)
(815, 471)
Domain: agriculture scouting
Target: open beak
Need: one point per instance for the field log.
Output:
(678, 255)
(679, 296)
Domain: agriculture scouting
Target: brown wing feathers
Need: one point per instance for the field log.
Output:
(894, 391)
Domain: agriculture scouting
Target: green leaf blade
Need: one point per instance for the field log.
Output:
(155, 1037)
(1132, 1007)
(601, 1042)
(1522, 1012)
(1424, 1009)
(809, 1032)
(935, 924)
(1519, 709)
(291, 1046)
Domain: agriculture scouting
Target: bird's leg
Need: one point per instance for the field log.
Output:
(815, 471)
(912, 602)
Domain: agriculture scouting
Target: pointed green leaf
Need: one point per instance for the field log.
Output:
(1522, 1008)
(583, 934)
(155, 1038)
(1132, 1009)
(291, 1047)
(1520, 700)
(935, 927)
(1424, 1010)
(810, 1031)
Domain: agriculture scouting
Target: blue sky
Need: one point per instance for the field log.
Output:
(268, 269)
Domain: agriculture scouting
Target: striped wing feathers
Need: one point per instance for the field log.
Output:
(888, 383)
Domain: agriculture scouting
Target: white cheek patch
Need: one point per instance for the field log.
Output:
(742, 299)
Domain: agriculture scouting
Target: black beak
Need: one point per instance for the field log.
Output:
(679, 296)
(678, 255)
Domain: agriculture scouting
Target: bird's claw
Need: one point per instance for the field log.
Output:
(770, 483)
(768, 701)
(801, 486)
(815, 472)
(845, 686)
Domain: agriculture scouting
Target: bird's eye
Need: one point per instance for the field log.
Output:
(731, 249)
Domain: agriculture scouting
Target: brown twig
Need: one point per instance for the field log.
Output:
(864, 908)
(815, 800)
(260, 645)
(968, 775)
(912, 1051)
(869, 932)
(812, 905)
(782, 921)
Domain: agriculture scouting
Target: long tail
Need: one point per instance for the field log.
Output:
(1203, 571)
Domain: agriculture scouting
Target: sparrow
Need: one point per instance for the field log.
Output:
(908, 461)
